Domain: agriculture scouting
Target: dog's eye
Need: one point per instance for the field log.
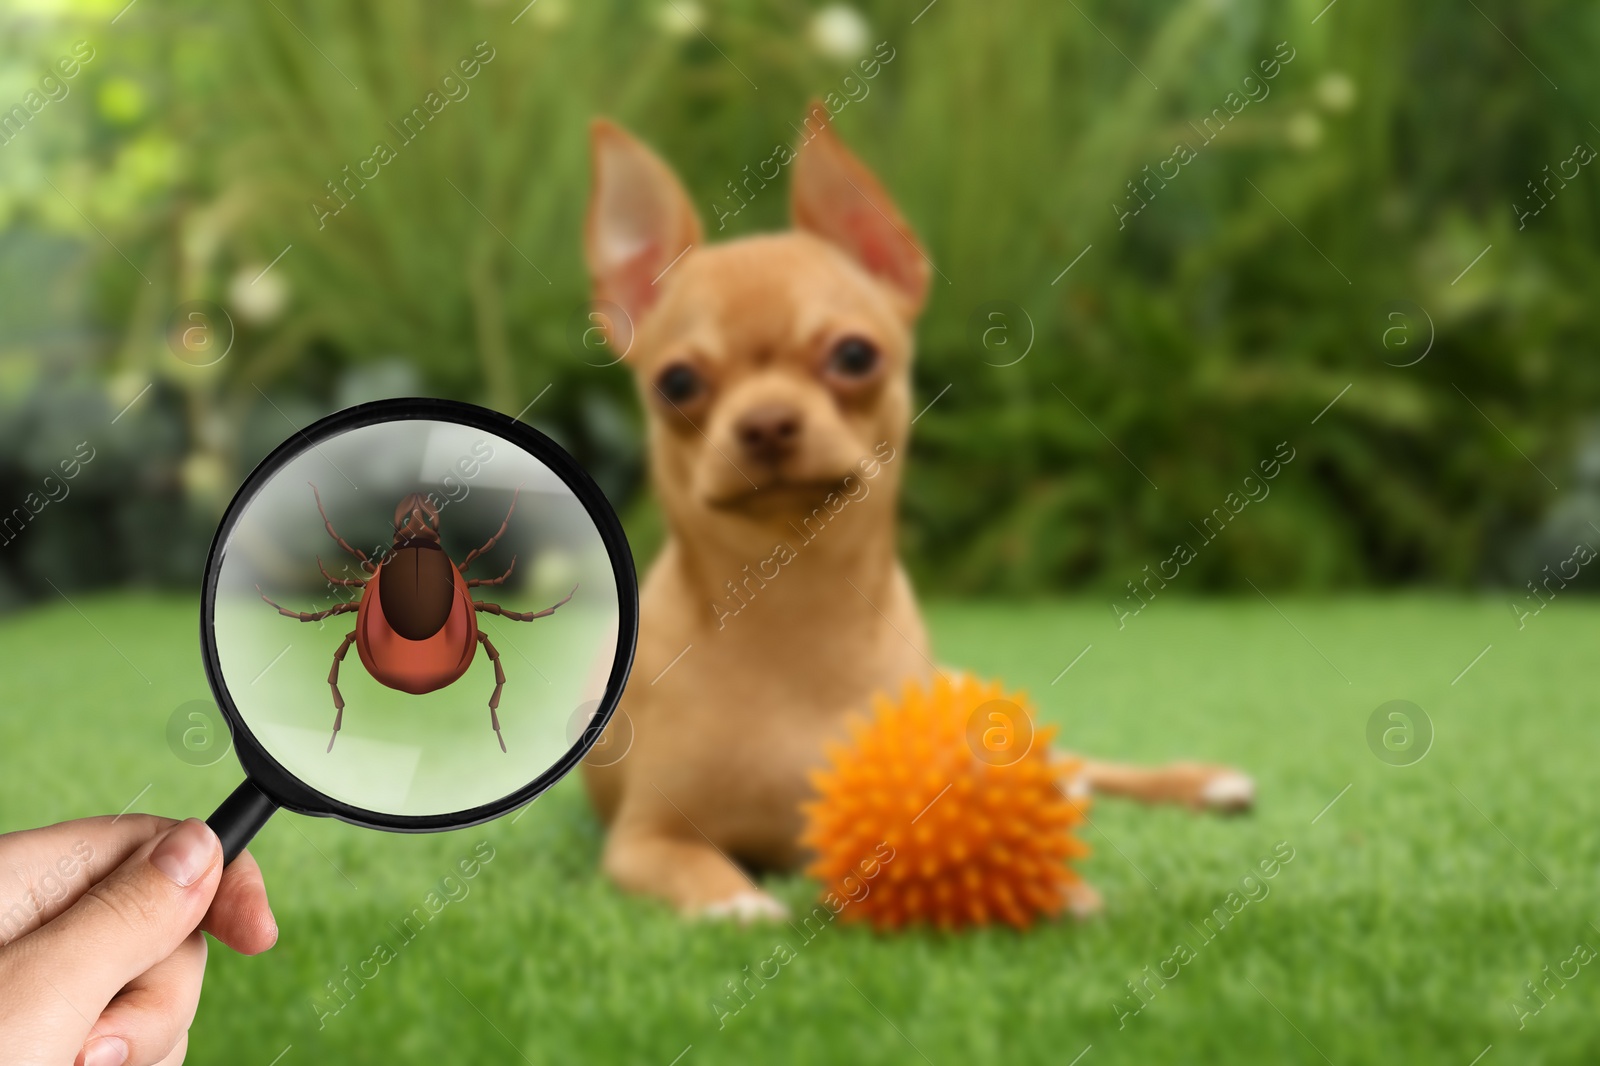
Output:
(679, 383)
(853, 357)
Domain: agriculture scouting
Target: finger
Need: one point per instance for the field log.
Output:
(240, 916)
(126, 923)
(51, 867)
(144, 1023)
(176, 1056)
(46, 870)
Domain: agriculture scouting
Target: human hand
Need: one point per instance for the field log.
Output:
(101, 949)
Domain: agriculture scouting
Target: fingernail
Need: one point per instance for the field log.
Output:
(106, 1051)
(186, 852)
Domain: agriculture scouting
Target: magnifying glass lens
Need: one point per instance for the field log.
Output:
(406, 615)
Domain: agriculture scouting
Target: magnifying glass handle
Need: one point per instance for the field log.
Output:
(239, 818)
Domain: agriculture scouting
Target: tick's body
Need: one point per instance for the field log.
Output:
(416, 626)
(416, 622)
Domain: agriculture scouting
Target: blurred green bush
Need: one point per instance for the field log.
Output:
(1259, 284)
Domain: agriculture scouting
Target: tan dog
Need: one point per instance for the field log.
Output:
(776, 376)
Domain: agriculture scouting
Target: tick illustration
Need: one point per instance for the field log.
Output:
(416, 622)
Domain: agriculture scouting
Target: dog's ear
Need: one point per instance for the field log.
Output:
(640, 220)
(837, 198)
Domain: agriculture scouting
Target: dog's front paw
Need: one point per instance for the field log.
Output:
(744, 908)
(1228, 792)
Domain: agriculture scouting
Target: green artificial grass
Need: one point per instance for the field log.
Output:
(1403, 929)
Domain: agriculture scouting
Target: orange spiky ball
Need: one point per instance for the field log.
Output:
(963, 791)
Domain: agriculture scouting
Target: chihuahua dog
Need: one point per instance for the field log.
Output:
(775, 373)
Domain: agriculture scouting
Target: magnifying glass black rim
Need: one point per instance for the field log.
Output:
(283, 787)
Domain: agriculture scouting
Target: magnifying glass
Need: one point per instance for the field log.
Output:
(417, 616)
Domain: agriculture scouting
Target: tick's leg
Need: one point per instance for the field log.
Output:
(333, 683)
(499, 682)
(517, 616)
(338, 608)
(501, 580)
(494, 539)
(352, 583)
(357, 552)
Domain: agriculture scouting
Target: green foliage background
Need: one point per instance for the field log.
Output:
(1217, 323)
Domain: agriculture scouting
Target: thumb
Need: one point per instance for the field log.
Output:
(131, 920)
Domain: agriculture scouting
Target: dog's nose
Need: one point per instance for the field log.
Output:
(769, 433)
